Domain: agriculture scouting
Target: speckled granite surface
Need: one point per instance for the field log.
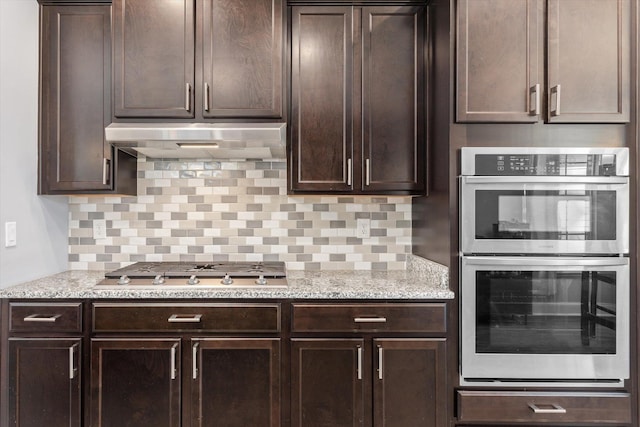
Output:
(422, 279)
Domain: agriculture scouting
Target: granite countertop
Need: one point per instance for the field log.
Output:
(422, 279)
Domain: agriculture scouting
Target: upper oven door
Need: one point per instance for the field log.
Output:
(544, 215)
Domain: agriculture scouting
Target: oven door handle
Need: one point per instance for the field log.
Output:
(571, 179)
(528, 261)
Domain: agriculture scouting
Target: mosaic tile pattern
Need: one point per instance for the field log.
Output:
(199, 211)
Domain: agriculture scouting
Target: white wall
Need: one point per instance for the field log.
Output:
(42, 221)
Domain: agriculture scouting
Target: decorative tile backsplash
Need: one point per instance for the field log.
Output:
(205, 210)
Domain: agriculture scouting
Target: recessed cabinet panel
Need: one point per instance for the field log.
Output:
(588, 59)
(75, 99)
(409, 383)
(135, 382)
(242, 58)
(392, 81)
(236, 380)
(154, 47)
(44, 382)
(322, 67)
(326, 383)
(499, 60)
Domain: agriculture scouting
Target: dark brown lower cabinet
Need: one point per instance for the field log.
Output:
(135, 382)
(235, 382)
(327, 382)
(335, 382)
(44, 382)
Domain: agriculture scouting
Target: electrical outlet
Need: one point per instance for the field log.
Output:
(363, 228)
(10, 238)
(99, 229)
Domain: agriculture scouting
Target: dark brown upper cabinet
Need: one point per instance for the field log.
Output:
(75, 104)
(357, 100)
(198, 59)
(501, 66)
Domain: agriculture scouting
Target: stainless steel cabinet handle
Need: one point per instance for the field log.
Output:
(206, 97)
(534, 100)
(555, 409)
(349, 170)
(380, 362)
(359, 362)
(557, 91)
(72, 362)
(367, 175)
(194, 361)
(182, 318)
(370, 319)
(105, 171)
(187, 97)
(173, 361)
(42, 318)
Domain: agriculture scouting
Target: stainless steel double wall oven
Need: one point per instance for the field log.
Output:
(544, 248)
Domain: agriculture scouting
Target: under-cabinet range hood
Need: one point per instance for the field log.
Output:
(239, 141)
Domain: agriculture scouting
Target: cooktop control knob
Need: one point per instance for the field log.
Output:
(261, 280)
(193, 280)
(124, 280)
(227, 280)
(158, 280)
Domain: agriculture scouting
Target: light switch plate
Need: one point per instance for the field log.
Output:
(10, 237)
(99, 229)
(363, 228)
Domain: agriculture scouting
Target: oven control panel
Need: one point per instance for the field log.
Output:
(545, 164)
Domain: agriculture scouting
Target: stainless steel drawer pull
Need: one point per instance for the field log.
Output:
(553, 409)
(185, 318)
(534, 100)
(187, 97)
(206, 97)
(370, 319)
(367, 164)
(173, 361)
(194, 361)
(557, 91)
(359, 362)
(105, 171)
(72, 362)
(44, 318)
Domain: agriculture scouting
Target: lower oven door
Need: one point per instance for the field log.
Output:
(544, 318)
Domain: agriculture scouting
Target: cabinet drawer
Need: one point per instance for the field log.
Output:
(45, 317)
(532, 407)
(428, 318)
(158, 317)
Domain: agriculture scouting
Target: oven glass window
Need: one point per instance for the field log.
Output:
(546, 312)
(546, 215)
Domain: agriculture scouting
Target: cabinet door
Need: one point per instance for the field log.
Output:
(321, 99)
(235, 382)
(409, 383)
(44, 382)
(242, 58)
(499, 73)
(326, 383)
(392, 99)
(153, 58)
(135, 382)
(75, 101)
(588, 60)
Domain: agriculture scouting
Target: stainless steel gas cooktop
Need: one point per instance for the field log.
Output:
(181, 274)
